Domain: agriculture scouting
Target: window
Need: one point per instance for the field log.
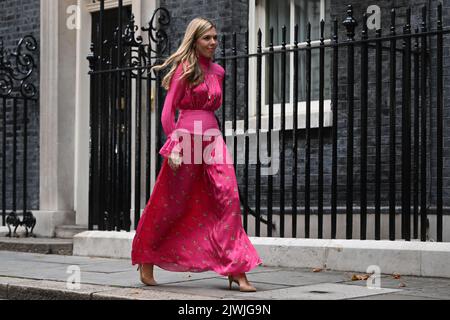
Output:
(314, 11)
(265, 14)
(277, 16)
(94, 5)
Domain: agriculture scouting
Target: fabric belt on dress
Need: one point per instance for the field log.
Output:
(206, 119)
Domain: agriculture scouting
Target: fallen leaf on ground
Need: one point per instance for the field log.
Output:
(357, 277)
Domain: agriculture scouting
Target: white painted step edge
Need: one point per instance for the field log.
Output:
(430, 259)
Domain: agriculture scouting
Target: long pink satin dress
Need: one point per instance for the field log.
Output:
(193, 219)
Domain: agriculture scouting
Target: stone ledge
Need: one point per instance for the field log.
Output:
(429, 259)
(3, 231)
(37, 245)
(103, 244)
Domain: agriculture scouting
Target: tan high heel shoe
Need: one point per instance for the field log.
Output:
(144, 279)
(245, 286)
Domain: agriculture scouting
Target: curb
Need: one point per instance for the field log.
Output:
(27, 289)
(430, 259)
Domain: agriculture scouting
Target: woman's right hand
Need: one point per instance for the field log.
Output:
(175, 161)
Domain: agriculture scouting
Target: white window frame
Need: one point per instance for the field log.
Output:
(92, 6)
(257, 20)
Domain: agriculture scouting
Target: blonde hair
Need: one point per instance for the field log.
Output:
(187, 53)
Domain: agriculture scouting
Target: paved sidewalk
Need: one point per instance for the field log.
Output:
(37, 276)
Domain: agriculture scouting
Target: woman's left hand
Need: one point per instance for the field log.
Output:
(175, 161)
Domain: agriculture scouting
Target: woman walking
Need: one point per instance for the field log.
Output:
(192, 221)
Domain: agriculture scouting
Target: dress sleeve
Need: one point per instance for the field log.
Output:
(176, 92)
(220, 74)
(220, 78)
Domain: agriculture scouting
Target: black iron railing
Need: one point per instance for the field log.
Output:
(350, 168)
(368, 192)
(17, 95)
(121, 80)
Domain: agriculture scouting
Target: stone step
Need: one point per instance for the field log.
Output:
(69, 231)
(3, 231)
(37, 245)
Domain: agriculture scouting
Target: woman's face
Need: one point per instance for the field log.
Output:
(207, 44)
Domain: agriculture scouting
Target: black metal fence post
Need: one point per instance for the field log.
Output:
(269, 140)
(363, 144)
(440, 130)
(378, 89)
(321, 133)
(295, 107)
(282, 130)
(246, 133)
(137, 175)
(92, 158)
(235, 94)
(258, 133)
(392, 124)
(423, 105)
(308, 132)
(350, 24)
(3, 162)
(416, 141)
(335, 109)
(406, 131)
